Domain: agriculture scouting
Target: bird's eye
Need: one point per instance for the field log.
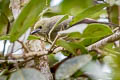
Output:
(40, 27)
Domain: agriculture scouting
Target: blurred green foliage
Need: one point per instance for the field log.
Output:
(74, 7)
(113, 14)
(4, 8)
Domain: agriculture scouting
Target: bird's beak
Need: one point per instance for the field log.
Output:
(35, 31)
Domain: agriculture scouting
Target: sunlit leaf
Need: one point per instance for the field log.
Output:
(96, 30)
(98, 14)
(88, 12)
(27, 74)
(93, 33)
(74, 35)
(26, 18)
(70, 66)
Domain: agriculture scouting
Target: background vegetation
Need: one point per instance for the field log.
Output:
(88, 49)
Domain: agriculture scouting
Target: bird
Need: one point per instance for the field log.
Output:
(43, 26)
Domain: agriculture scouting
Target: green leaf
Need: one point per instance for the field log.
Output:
(88, 12)
(96, 30)
(74, 35)
(27, 74)
(65, 45)
(33, 37)
(76, 46)
(77, 74)
(113, 15)
(98, 14)
(113, 59)
(71, 46)
(26, 18)
(4, 7)
(70, 66)
(109, 45)
(5, 37)
(93, 33)
(88, 41)
(52, 60)
(3, 22)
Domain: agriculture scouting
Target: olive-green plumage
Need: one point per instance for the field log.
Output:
(43, 26)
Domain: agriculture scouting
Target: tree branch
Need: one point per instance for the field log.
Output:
(30, 54)
(111, 38)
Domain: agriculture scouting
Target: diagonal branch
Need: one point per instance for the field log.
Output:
(109, 39)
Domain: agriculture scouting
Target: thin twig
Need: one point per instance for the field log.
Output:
(90, 21)
(49, 34)
(58, 49)
(54, 42)
(24, 46)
